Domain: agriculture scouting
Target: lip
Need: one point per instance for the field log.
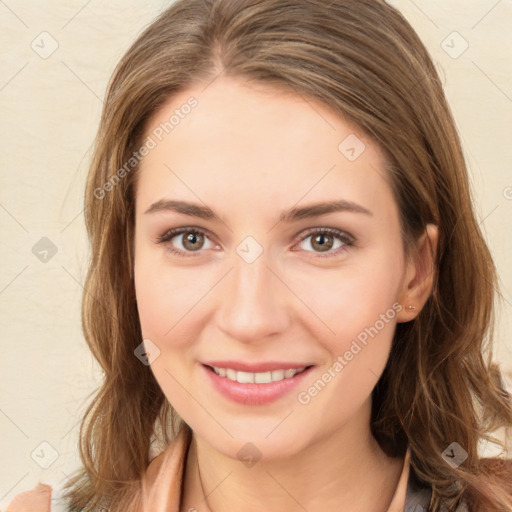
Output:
(254, 394)
(269, 366)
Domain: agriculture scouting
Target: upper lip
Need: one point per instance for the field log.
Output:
(256, 367)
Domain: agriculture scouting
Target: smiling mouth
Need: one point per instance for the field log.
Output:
(256, 377)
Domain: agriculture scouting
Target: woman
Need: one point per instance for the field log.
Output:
(288, 287)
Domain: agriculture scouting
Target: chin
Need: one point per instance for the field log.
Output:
(265, 443)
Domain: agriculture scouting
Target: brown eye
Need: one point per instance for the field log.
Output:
(329, 241)
(322, 242)
(193, 241)
(185, 241)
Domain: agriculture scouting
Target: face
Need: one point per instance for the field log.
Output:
(266, 239)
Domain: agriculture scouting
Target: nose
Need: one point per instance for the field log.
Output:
(255, 303)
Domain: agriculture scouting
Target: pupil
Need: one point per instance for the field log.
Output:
(191, 241)
(322, 243)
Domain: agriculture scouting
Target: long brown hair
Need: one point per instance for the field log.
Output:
(364, 61)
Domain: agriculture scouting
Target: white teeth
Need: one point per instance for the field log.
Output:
(259, 377)
(263, 377)
(245, 377)
(277, 375)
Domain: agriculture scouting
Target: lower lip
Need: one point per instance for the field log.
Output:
(254, 394)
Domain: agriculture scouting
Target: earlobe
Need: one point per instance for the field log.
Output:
(420, 274)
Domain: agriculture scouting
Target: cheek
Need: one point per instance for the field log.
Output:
(364, 325)
(156, 295)
(165, 303)
(154, 300)
(358, 307)
(161, 303)
(351, 297)
(168, 299)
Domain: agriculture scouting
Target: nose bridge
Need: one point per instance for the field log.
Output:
(252, 306)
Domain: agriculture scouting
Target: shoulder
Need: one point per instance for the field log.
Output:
(419, 493)
(169, 463)
(500, 468)
(36, 499)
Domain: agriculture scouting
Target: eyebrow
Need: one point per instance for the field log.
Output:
(288, 216)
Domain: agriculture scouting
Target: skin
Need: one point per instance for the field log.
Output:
(249, 152)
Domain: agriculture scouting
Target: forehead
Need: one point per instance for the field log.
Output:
(256, 142)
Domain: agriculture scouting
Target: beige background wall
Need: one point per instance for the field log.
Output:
(50, 106)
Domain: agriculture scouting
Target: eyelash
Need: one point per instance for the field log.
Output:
(348, 240)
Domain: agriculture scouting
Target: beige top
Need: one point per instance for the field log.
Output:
(162, 483)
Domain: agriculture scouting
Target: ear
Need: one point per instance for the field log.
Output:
(419, 275)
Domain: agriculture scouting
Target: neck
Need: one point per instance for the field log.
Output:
(346, 470)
